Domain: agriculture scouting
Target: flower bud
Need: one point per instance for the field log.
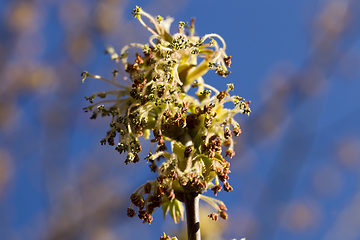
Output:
(223, 215)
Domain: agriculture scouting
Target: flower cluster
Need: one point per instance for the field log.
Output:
(153, 103)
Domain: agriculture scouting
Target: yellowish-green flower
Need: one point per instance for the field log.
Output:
(152, 101)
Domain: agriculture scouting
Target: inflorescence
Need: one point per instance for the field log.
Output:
(156, 105)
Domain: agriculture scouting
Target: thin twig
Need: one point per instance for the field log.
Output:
(192, 215)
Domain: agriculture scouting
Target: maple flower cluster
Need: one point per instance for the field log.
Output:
(188, 133)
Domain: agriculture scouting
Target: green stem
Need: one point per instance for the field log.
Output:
(192, 215)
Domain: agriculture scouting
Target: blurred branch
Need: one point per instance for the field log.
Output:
(333, 36)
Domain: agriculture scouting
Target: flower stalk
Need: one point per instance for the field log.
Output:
(192, 215)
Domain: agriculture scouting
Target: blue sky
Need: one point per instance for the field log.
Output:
(296, 172)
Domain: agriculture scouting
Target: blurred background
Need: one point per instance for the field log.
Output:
(296, 173)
